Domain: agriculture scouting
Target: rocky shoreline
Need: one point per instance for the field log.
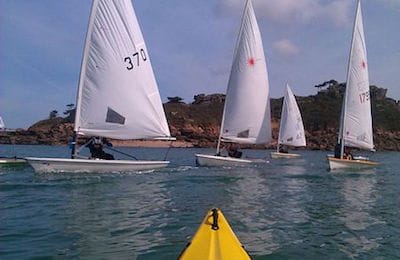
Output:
(197, 124)
(189, 136)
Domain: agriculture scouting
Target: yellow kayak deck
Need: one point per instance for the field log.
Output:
(214, 240)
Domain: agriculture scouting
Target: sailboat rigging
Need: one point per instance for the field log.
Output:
(291, 129)
(9, 161)
(247, 94)
(117, 95)
(356, 119)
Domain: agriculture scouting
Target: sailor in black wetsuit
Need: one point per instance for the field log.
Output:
(96, 149)
(282, 149)
(337, 150)
(233, 151)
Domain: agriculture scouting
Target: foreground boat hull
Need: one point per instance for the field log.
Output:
(338, 164)
(214, 160)
(54, 165)
(277, 155)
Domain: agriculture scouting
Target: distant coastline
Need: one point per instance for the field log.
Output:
(197, 124)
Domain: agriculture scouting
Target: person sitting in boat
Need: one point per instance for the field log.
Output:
(347, 154)
(283, 149)
(337, 151)
(96, 149)
(233, 151)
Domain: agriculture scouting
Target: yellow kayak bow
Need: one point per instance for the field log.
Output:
(214, 240)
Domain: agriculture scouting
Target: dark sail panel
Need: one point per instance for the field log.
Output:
(244, 134)
(114, 117)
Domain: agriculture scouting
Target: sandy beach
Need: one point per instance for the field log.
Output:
(151, 143)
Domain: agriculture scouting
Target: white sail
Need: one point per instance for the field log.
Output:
(291, 130)
(246, 116)
(2, 125)
(357, 120)
(118, 95)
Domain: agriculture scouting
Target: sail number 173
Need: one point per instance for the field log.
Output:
(364, 97)
(135, 60)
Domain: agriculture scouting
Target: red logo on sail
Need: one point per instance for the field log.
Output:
(363, 64)
(251, 61)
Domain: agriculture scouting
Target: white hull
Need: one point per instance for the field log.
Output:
(53, 165)
(12, 161)
(277, 155)
(343, 164)
(214, 160)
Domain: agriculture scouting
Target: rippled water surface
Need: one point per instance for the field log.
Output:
(291, 209)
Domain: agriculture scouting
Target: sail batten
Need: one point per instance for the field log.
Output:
(356, 124)
(247, 107)
(118, 95)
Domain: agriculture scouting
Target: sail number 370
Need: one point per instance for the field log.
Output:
(364, 97)
(135, 59)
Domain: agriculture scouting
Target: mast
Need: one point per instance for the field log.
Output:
(74, 151)
(280, 123)
(344, 106)
(220, 131)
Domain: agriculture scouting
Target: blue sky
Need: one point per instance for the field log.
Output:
(191, 45)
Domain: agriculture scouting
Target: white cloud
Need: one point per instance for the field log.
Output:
(338, 12)
(283, 10)
(285, 47)
(294, 11)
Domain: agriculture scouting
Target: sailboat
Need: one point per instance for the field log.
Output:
(291, 129)
(117, 95)
(356, 119)
(2, 125)
(9, 161)
(246, 117)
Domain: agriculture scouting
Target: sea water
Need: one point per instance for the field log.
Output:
(283, 209)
